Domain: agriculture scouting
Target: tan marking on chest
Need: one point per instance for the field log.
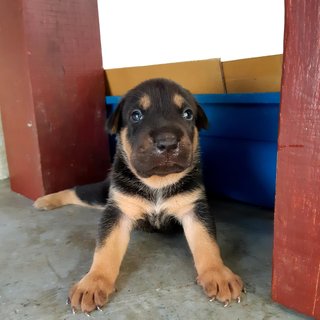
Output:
(182, 203)
(134, 207)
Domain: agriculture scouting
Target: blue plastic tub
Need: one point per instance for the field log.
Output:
(239, 150)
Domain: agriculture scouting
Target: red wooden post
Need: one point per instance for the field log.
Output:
(52, 94)
(296, 264)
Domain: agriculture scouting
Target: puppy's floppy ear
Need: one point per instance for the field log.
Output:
(114, 121)
(201, 118)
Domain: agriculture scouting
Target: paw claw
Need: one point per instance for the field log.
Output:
(221, 283)
(73, 311)
(239, 299)
(212, 299)
(91, 292)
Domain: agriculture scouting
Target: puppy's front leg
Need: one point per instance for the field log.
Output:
(92, 291)
(217, 280)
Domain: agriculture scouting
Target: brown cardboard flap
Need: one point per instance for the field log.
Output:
(262, 74)
(203, 76)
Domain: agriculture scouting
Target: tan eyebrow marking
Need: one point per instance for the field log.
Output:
(145, 101)
(178, 100)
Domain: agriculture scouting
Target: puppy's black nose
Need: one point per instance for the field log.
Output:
(166, 141)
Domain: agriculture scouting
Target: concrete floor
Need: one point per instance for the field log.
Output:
(43, 253)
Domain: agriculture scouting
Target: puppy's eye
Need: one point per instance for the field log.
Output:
(187, 114)
(136, 116)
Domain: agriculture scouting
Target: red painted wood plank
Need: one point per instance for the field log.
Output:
(16, 103)
(52, 94)
(296, 261)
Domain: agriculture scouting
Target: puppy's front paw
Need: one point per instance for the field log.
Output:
(91, 292)
(222, 284)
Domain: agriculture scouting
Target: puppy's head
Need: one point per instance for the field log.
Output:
(157, 123)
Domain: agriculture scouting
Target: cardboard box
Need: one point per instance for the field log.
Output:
(203, 76)
(262, 74)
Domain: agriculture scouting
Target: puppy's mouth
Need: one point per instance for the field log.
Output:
(153, 166)
(165, 169)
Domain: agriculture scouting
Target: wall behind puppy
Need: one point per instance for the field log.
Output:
(144, 32)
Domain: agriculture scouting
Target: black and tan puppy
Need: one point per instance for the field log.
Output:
(156, 181)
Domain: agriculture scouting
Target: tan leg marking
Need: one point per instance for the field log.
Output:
(216, 279)
(94, 288)
(59, 199)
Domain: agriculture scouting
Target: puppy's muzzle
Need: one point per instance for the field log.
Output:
(166, 142)
(163, 151)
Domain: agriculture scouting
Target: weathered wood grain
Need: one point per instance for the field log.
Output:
(52, 94)
(296, 264)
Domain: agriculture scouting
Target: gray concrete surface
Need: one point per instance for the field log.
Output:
(43, 253)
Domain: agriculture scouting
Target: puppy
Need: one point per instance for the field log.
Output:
(155, 181)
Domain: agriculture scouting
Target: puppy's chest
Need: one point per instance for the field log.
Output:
(158, 208)
(157, 214)
(158, 203)
(163, 208)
